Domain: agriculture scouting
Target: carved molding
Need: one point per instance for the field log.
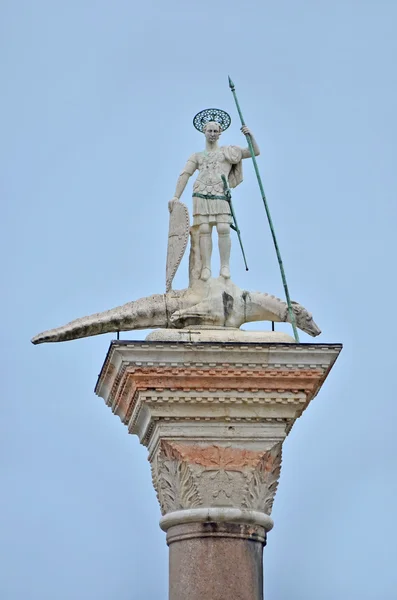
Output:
(196, 381)
(164, 373)
(194, 476)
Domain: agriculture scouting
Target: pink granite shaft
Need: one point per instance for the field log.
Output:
(216, 561)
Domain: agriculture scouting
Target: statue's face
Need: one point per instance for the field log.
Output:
(212, 131)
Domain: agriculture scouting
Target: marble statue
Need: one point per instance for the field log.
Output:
(207, 303)
(210, 206)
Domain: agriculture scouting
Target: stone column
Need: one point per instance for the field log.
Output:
(216, 561)
(214, 416)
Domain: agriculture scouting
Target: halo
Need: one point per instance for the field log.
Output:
(212, 114)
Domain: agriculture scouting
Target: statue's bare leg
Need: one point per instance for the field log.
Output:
(224, 248)
(205, 250)
(194, 256)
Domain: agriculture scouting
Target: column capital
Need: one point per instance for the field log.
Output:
(213, 416)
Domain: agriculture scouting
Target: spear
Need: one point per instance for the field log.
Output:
(228, 196)
(269, 218)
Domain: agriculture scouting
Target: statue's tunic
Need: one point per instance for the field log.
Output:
(211, 166)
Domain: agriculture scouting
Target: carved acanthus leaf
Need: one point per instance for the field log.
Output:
(262, 486)
(215, 456)
(174, 481)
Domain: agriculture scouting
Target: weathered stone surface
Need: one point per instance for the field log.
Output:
(213, 416)
(178, 236)
(223, 334)
(216, 561)
(218, 167)
(192, 476)
(214, 303)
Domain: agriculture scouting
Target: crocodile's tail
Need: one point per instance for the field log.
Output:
(145, 313)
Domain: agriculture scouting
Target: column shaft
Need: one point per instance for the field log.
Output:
(216, 561)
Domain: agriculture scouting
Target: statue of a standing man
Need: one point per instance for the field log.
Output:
(210, 206)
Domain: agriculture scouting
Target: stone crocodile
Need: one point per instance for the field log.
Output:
(215, 303)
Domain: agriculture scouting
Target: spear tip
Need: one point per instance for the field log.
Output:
(231, 84)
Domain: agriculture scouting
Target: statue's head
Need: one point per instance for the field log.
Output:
(212, 130)
(212, 121)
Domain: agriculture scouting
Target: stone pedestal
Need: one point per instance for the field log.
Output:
(213, 416)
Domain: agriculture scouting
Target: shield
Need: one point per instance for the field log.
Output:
(178, 236)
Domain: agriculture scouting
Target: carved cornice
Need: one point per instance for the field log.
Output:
(124, 353)
(147, 375)
(140, 379)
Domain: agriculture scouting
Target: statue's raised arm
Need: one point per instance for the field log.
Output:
(246, 151)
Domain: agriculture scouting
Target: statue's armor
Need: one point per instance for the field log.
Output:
(211, 166)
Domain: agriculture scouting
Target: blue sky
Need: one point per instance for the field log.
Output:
(96, 108)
